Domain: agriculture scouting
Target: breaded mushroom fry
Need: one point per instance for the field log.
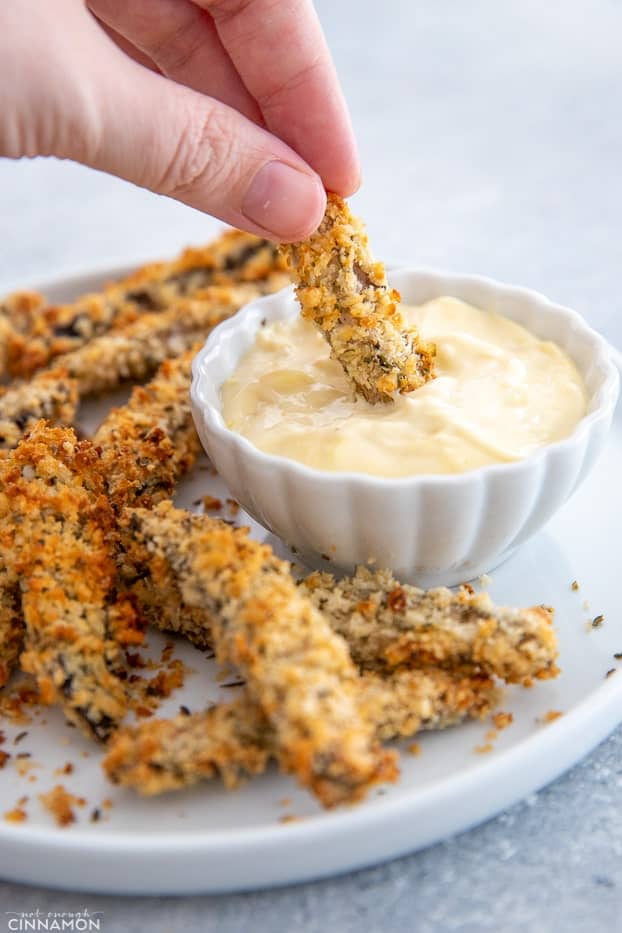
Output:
(297, 670)
(235, 740)
(388, 624)
(61, 529)
(51, 395)
(147, 445)
(346, 295)
(36, 339)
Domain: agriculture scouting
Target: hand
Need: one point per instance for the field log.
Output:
(231, 106)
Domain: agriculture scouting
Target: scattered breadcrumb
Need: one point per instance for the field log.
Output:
(483, 749)
(234, 507)
(60, 804)
(17, 815)
(289, 818)
(598, 621)
(67, 768)
(502, 720)
(17, 701)
(484, 579)
(549, 717)
(492, 735)
(211, 503)
(574, 585)
(610, 672)
(414, 749)
(23, 765)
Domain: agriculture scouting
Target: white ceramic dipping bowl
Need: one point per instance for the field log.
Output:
(429, 529)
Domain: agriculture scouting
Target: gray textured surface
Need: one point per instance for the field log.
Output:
(491, 136)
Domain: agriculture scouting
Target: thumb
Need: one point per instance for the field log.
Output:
(177, 142)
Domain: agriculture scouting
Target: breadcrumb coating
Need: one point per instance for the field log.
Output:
(235, 740)
(147, 445)
(388, 624)
(20, 309)
(345, 293)
(59, 543)
(11, 619)
(131, 353)
(135, 351)
(17, 311)
(51, 395)
(297, 670)
(36, 339)
(230, 741)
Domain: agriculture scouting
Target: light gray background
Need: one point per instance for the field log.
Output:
(491, 139)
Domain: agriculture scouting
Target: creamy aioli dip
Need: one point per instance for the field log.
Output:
(499, 394)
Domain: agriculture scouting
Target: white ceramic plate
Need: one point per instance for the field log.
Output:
(208, 840)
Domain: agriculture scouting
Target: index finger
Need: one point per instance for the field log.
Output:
(280, 52)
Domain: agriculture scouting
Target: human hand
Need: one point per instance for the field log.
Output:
(231, 106)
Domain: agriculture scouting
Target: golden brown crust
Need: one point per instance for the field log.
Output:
(235, 740)
(345, 293)
(388, 624)
(231, 741)
(51, 396)
(135, 351)
(296, 668)
(147, 445)
(11, 619)
(17, 311)
(37, 338)
(104, 363)
(61, 529)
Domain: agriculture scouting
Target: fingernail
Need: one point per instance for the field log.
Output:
(285, 201)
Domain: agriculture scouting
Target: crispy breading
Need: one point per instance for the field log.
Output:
(234, 257)
(5, 333)
(135, 351)
(145, 447)
(59, 543)
(51, 395)
(17, 312)
(148, 444)
(11, 619)
(345, 293)
(296, 668)
(235, 740)
(231, 741)
(388, 624)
